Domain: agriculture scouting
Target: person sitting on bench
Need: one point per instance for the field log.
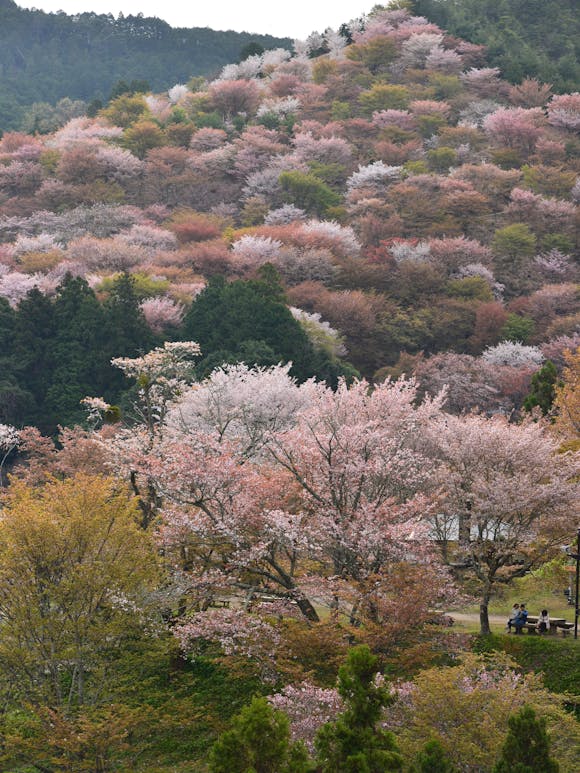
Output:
(515, 610)
(521, 619)
(543, 624)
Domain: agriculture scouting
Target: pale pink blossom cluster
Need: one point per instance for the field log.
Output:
(374, 175)
(280, 107)
(409, 251)
(400, 118)
(242, 404)
(556, 348)
(477, 111)
(256, 250)
(514, 354)
(564, 111)
(308, 707)
(485, 81)
(325, 150)
(444, 60)
(172, 360)
(162, 313)
(548, 213)
(417, 48)
(287, 213)
(515, 127)
(237, 632)
(9, 437)
(44, 242)
(14, 286)
(150, 237)
(328, 233)
(83, 131)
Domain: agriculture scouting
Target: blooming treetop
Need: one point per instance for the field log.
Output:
(242, 404)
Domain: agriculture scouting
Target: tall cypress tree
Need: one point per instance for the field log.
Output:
(356, 742)
(432, 759)
(527, 746)
(259, 742)
(79, 352)
(33, 346)
(15, 402)
(226, 315)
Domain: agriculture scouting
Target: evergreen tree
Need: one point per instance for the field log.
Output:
(527, 746)
(129, 332)
(433, 759)
(34, 358)
(524, 38)
(79, 352)
(259, 742)
(356, 742)
(543, 388)
(15, 402)
(225, 316)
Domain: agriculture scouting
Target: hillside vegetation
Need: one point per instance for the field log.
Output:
(417, 212)
(46, 57)
(221, 489)
(524, 38)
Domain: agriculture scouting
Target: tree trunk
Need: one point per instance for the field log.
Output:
(464, 529)
(484, 620)
(308, 610)
(485, 630)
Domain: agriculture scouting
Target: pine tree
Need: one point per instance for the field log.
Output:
(259, 742)
(433, 759)
(543, 388)
(355, 742)
(34, 362)
(527, 746)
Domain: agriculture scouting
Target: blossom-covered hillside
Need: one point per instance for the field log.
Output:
(421, 215)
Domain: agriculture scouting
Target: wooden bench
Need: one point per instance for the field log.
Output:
(555, 624)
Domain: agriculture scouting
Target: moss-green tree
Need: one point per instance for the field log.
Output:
(356, 742)
(527, 746)
(258, 742)
(74, 567)
(308, 192)
(432, 759)
(543, 388)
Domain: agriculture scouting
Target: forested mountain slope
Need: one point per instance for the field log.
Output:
(201, 502)
(46, 57)
(533, 38)
(391, 205)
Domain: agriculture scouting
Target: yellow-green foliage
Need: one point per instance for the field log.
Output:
(466, 708)
(144, 286)
(383, 96)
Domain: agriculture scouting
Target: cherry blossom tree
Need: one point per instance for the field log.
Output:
(564, 111)
(515, 127)
(9, 441)
(242, 404)
(514, 354)
(308, 707)
(231, 97)
(162, 313)
(508, 497)
(356, 459)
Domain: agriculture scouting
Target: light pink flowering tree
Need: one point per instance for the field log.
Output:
(508, 497)
(308, 707)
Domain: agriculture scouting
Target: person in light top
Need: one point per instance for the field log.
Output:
(543, 624)
(513, 614)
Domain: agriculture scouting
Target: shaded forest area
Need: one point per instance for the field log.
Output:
(47, 57)
(524, 38)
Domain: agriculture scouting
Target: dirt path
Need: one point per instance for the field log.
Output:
(496, 622)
